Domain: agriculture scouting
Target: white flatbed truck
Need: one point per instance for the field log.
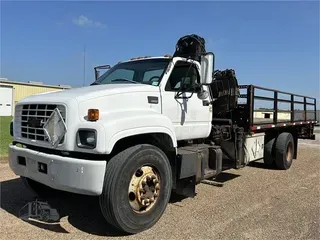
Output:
(147, 127)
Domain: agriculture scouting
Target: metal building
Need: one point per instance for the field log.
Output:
(11, 92)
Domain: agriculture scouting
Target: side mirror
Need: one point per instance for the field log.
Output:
(203, 94)
(97, 74)
(97, 70)
(207, 68)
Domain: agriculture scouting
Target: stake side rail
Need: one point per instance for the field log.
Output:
(260, 118)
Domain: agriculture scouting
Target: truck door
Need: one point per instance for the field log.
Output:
(191, 117)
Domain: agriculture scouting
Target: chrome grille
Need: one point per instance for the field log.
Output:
(34, 116)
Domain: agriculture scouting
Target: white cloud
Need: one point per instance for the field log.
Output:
(83, 21)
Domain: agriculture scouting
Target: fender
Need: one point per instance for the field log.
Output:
(130, 123)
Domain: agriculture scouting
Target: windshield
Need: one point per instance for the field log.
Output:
(147, 71)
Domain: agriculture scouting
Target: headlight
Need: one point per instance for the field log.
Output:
(87, 138)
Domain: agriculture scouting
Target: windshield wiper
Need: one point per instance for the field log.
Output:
(123, 79)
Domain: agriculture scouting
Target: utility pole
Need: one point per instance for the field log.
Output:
(84, 65)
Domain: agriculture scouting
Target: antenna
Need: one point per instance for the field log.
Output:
(84, 64)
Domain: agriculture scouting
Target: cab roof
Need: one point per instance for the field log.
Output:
(147, 57)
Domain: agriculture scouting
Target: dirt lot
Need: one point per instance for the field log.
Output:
(254, 203)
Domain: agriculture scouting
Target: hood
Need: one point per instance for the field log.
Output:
(90, 92)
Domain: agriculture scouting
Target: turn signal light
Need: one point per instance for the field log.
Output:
(93, 114)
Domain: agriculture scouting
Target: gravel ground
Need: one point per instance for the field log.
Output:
(253, 203)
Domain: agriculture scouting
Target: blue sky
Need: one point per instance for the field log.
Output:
(272, 44)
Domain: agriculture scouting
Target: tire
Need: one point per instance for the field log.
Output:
(269, 156)
(38, 188)
(284, 151)
(116, 207)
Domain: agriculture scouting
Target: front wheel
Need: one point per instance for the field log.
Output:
(136, 189)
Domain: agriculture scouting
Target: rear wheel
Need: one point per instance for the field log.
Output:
(269, 157)
(136, 189)
(284, 151)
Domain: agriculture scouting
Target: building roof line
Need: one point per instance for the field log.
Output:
(37, 84)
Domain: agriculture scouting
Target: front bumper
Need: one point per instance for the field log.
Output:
(62, 173)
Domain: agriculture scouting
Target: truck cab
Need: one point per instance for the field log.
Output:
(174, 93)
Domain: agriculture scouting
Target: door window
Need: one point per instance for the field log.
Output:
(185, 74)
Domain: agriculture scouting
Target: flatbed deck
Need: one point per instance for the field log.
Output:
(261, 117)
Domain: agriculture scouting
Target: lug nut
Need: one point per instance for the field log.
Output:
(153, 177)
(157, 187)
(152, 199)
(139, 173)
(155, 181)
(155, 195)
(144, 182)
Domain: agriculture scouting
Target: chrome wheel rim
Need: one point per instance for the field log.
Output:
(289, 152)
(144, 189)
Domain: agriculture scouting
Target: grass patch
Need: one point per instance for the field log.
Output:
(5, 137)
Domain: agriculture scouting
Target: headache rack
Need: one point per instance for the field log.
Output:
(257, 112)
